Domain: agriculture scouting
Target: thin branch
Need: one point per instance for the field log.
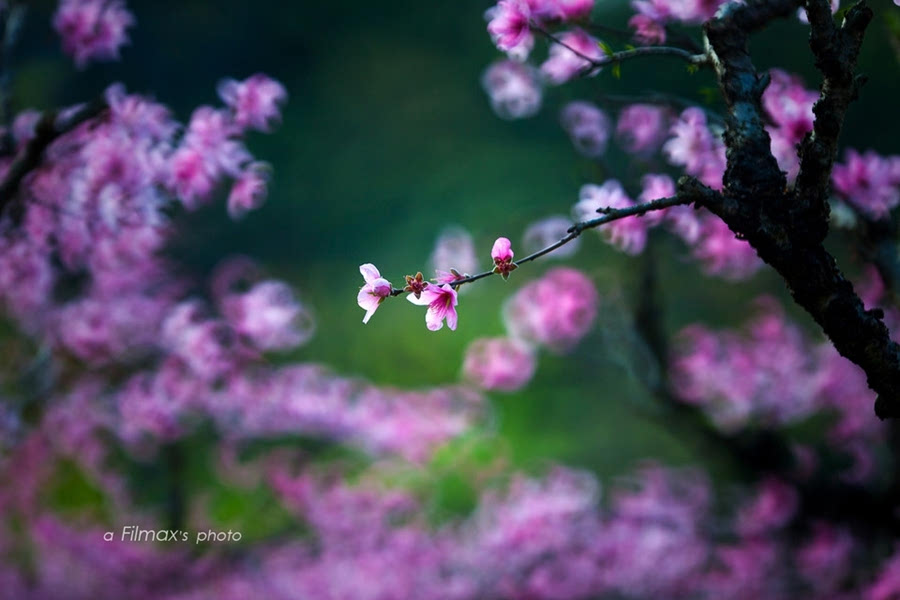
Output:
(687, 195)
(50, 127)
(624, 55)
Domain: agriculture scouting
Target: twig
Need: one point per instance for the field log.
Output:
(687, 195)
(624, 55)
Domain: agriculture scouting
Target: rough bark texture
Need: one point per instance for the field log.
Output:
(788, 226)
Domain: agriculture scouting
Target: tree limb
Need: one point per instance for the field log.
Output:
(786, 233)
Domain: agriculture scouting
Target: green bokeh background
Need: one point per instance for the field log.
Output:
(388, 138)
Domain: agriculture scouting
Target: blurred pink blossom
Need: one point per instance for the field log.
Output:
(255, 101)
(499, 364)
(555, 311)
(513, 89)
(572, 57)
(628, 234)
(588, 128)
(92, 29)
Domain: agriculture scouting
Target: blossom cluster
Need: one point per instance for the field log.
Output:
(537, 537)
(92, 30)
(710, 240)
(652, 16)
(84, 270)
(771, 375)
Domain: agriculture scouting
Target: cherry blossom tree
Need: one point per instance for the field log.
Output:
(132, 357)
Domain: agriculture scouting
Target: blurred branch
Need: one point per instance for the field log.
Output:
(50, 127)
(697, 59)
(11, 16)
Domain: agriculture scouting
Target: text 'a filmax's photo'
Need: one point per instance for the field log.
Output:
(133, 533)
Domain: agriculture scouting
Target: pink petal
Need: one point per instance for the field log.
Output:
(428, 296)
(369, 272)
(502, 249)
(433, 319)
(368, 301)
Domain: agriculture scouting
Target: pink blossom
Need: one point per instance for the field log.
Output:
(26, 280)
(650, 21)
(824, 560)
(656, 187)
(653, 540)
(869, 182)
(723, 254)
(502, 250)
(92, 29)
(642, 127)
(441, 302)
(685, 223)
(694, 11)
(249, 190)
(503, 257)
(887, 584)
(539, 539)
(157, 406)
(588, 127)
(766, 374)
(789, 104)
(454, 249)
(746, 570)
(541, 234)
(140, 116)
(499, 364)
(555, 311)
(647, 30)
(564, 10)
(509, 26)
(269, 316)
(513, 89)
(191, 178)
(208, 346)
(442, 277)
(695, 147)
(307, 399)
(569, 58)
(773, 506)
(843, 389)
(212, 132)
(373, 293)
(23, 126)
(629, 234)
(255, 101)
